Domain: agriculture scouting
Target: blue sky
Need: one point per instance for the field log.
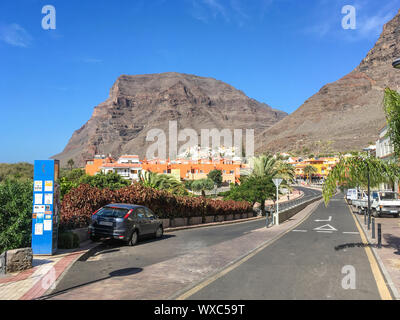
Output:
(279, 52)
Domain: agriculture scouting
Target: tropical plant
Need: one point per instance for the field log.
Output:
(391, 103)
(80, 203)
(202, 185)
(355, 170)
(15, 214)
(160, 181)
(309, 171)
(76, 177)
(216, 177)
(71, 164)
(253, 189)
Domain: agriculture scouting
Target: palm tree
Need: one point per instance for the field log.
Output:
(159, 181)
(71, 163)
(356, 170)
(309, 171)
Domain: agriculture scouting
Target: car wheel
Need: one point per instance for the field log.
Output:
(94, 238)
(133, 239)
(396, 215)
(375, 213)
(159, 232)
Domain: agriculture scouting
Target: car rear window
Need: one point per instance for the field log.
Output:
(111, 212)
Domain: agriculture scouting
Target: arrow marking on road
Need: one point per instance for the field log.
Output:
(330, 219)
(326, 227)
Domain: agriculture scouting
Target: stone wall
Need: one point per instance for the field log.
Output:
(16, 260)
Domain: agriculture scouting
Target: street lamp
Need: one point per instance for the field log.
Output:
(396, 63)
(369, 188)
(277, 182)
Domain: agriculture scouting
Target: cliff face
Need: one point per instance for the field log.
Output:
(344, 115)
(139, 103)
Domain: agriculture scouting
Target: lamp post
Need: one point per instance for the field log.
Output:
(277, 182)
(369, 189)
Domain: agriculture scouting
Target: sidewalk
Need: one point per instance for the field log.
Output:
(388, 256)
(283, 198)
(33, 283)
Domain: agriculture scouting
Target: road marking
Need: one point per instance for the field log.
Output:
(330, 219)
(379, 279)
(240, 261)
(324, 231)
(299, 230)
(326, 227)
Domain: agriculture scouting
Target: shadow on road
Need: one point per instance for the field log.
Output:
(116, 273)
(114, 245)
(355, 245)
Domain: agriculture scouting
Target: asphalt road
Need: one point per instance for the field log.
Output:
(303, 264)
(306, 263)
(112, 255)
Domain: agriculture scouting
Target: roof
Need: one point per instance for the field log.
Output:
(129, 156)
(121, 165)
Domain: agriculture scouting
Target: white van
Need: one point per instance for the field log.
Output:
(351, 195)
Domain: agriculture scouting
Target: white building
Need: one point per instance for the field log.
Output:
(384, 148)
(385, 151)
(127, 166)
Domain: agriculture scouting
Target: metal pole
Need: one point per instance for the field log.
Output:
(277, 206)
(379, 236)
(365, 217)
(369, 199)
(373, 228)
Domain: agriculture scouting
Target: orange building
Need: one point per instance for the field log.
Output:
(93, 165)
(195, 169)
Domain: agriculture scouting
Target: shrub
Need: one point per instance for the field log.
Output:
(68, 240)
(15, 214)
(80, 203)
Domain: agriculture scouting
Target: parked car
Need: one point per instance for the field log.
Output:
(351, 195)
(125, 222)
(386, 202)
(362, 200)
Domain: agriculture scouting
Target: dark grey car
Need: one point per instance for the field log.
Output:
(124, 222)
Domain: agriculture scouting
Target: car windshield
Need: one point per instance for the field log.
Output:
(389, 195)
(111, 212)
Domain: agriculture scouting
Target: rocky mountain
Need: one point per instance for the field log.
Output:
(344, 115)
(139, 103)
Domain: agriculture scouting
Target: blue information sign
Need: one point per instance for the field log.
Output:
(45, 207)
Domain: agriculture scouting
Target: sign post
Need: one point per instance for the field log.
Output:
(277, 182)
(45, 207)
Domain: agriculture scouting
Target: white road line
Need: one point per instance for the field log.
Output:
(328, 220)
(325, 231)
